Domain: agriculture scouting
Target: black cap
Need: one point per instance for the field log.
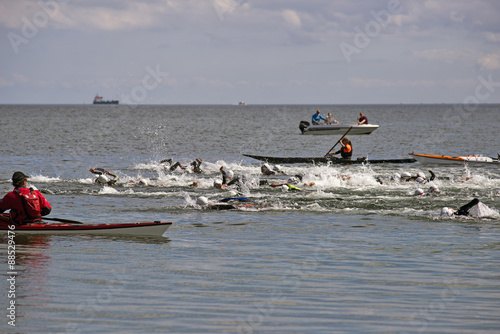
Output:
(19, 176)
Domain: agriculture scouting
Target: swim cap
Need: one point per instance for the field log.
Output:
(405, 175)
(202, 201)
(434, 189)
(419, 180)
(446, 211)
(284, 188)
(420, 174)
(418, 192)
(293, 180)
(230, 174)
(102, 179)
(395, 176)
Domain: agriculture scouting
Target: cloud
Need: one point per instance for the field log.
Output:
(292, 18)
(490, 62)
(378, 83)
(447, 55)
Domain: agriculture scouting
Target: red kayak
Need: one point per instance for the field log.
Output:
(73, 227)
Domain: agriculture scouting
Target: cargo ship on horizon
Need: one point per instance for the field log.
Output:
(98, 100)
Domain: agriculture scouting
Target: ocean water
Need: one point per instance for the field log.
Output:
(354, 253)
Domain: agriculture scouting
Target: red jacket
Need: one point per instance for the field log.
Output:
(14, 202)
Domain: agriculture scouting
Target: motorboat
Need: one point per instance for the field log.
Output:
(336, 129)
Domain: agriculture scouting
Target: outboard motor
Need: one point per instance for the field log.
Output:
(303, 125)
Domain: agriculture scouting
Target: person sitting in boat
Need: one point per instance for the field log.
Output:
(196, 166)
(317, 118)
(171, 167)
(362, 119)
(102, 179)
(330, 120)
(346, 149)
(27, 205)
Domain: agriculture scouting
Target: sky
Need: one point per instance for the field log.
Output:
(257, 51)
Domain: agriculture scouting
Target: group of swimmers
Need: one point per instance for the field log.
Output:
(293, 183)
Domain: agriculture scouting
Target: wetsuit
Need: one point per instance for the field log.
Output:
(464, 209)
(196, 166)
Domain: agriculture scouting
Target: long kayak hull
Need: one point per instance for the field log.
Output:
(430, 159)
(325, 160)
(132, 229)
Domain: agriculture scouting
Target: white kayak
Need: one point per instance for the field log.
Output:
(449, 160)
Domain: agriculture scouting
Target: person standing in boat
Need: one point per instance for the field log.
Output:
(330, 120)
(346, 149)
(362, 119)
(317, 118)
(27, 205)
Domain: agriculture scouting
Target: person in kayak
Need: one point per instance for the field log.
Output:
(102, 179)
(362, 119)
(27, 205)
(346, 149)
(317, 118)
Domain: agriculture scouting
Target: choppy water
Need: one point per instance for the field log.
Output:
(348, 254)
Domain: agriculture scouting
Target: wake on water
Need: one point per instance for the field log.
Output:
(364, 189)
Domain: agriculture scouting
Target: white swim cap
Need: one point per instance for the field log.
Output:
(202, 201)
(434, 189)
(405, 175)
(102, 179)
(418, 192)
(230, 174)
(420, 174)
(143, 182)
(395, 176)
(284, 188)
(293, 180)
(446, 211)
(419, 179)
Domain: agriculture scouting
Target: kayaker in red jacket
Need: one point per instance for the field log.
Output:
(27, 205)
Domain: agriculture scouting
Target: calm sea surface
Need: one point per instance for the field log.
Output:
(347, 255)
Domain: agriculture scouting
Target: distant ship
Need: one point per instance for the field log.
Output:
(242, 103)
(98, 100)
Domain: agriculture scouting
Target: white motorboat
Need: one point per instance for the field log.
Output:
(336, 129)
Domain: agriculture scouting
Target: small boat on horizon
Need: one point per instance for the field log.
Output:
(99, 100)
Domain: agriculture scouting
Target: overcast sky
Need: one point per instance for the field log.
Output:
(258, 51)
